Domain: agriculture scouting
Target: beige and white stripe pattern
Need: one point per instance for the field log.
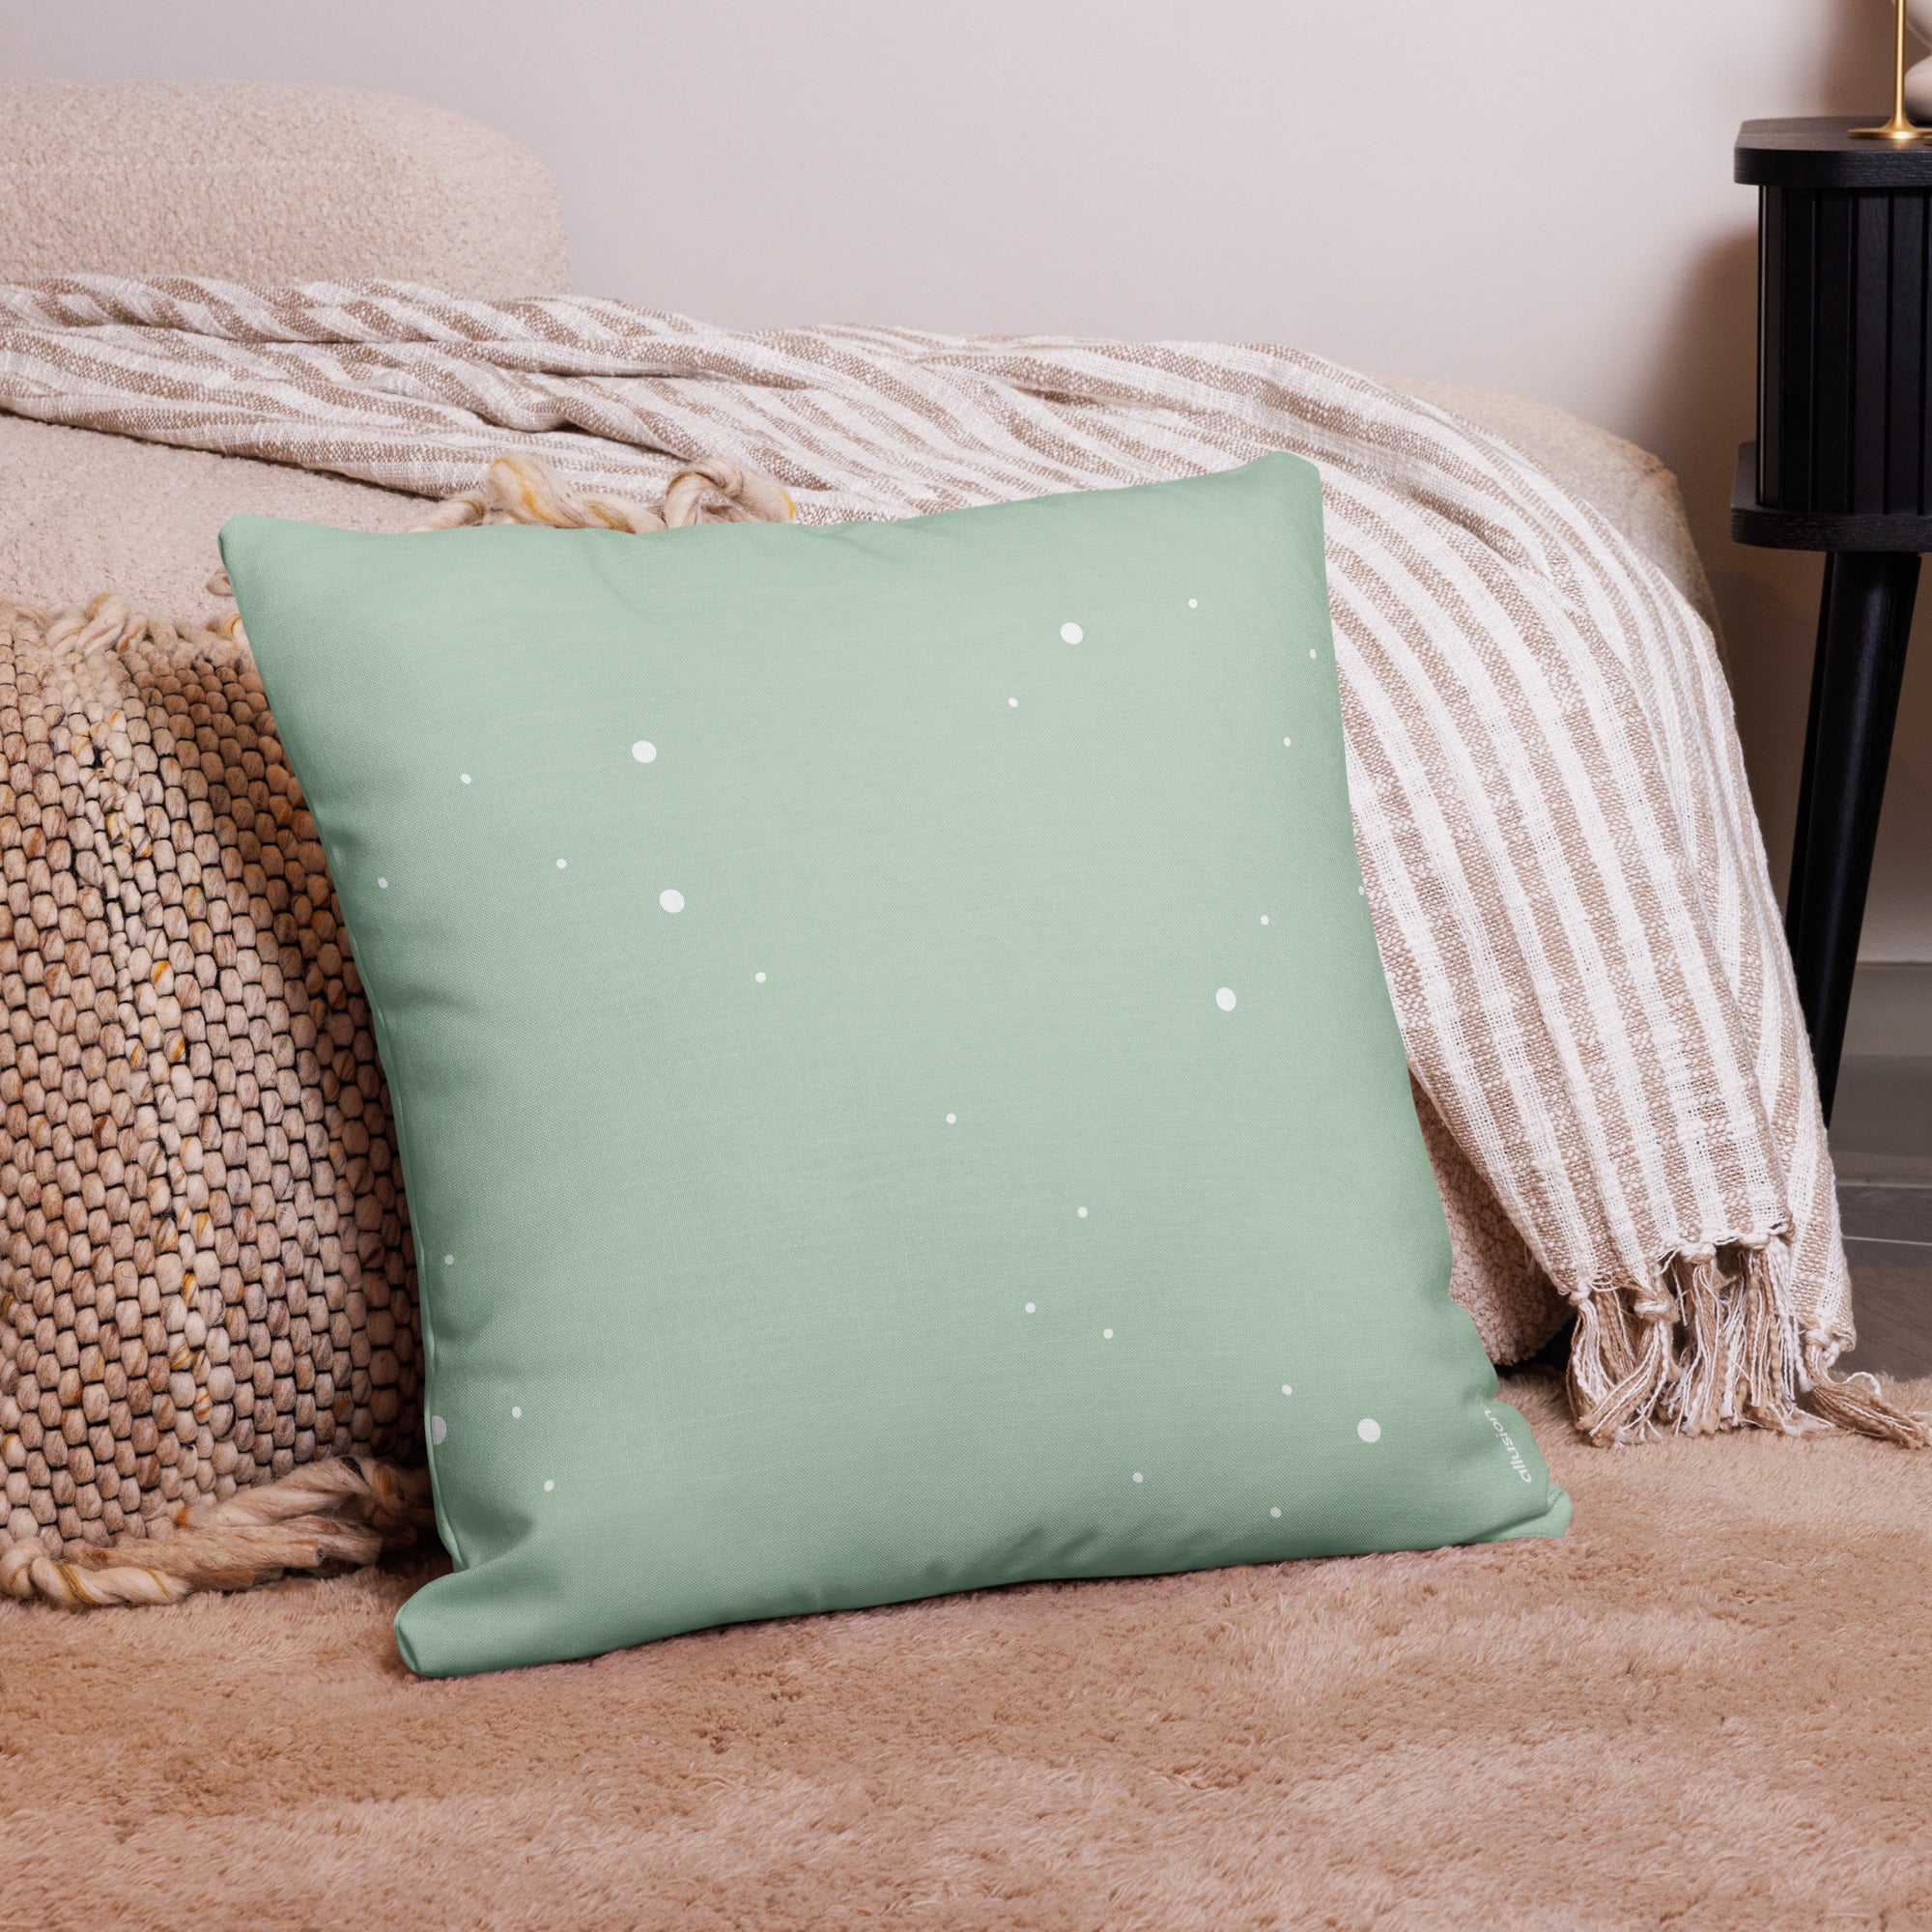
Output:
(1567, 877)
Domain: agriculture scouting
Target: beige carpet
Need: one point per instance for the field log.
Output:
(1709, 1707)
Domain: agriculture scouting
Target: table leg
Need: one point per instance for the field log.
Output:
(1864, 618)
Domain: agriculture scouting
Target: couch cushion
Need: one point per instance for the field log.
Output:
(264, 184)
(82, 512)
(1630, 488)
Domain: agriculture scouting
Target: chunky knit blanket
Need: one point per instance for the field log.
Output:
(1568, 881)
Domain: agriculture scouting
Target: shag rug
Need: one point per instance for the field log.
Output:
(1709, 1706)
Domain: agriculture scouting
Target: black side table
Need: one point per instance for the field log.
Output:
(1842, 464)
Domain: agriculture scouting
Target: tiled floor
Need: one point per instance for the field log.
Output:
(1882, 1145)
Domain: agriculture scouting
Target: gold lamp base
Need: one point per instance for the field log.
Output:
(1892, 130)
(1898, 128)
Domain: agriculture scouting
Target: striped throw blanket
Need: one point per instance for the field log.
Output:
(1568, 881)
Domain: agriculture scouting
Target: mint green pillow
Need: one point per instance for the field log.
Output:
(894, 1082)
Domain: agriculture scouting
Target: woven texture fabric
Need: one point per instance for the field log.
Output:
(1569, 884)
(206, 1277)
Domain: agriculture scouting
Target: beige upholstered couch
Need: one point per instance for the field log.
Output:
(287, 184)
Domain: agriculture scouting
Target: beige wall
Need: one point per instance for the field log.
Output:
(1527, 194)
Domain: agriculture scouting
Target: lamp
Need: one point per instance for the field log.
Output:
(1900, 127)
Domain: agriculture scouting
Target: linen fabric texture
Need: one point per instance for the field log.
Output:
(949, 1125)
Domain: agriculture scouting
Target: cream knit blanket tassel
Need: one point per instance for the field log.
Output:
(517, 490)
(343, 1511)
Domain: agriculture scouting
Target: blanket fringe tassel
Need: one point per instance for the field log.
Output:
(522, 490)
(1857, 1403)
(1712, 1344)
(344, 1512)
